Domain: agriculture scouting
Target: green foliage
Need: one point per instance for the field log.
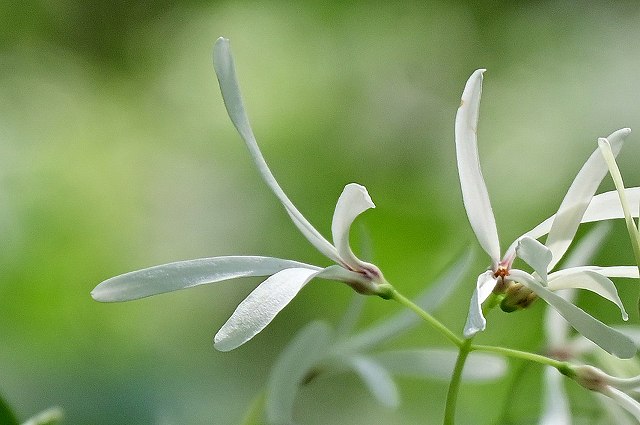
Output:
(7, 417)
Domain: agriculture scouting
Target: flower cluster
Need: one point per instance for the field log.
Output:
(319, 346)
(519, 288)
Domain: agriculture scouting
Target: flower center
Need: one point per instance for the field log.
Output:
(501, 272)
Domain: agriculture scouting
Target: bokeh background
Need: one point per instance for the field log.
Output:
(116, 154)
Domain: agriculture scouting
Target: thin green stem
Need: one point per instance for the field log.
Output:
(435, 323)
(254, 415)
(524, 355)
(454, 384)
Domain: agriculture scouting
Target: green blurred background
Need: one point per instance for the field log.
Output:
(116, 153)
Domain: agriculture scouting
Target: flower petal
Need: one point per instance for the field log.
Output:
(630, 272)
(474, 190)
(186, 274)
(555, 404)
(377, 379)
(293, 365)
(556, 328)
(616, 414)
(624, 400)
(605, 206)
(353, 201)
(475, 320)
(607, 338)
(226, 73)
(578, 196)
(535, 254)
(590, 281)
(438, 363)
(261, 306)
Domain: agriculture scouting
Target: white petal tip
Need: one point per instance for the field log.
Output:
(472, 331)
(355, 187)
(625, 130)
(222, 344)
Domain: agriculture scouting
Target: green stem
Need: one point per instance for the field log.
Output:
(435, 323)
(454, 384)
(524, 355)
(254, 415)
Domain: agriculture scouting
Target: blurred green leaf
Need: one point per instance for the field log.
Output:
(6, 414)
(292, 369)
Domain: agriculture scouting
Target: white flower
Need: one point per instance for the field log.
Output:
(573, 210)
(286, 277)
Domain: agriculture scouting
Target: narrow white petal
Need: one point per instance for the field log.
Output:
(475, 320)
(630, 272)
(616, 414)
(556, 328)
(578, 197)
(474, 190)
(377, 379)
(624, 400)
(535, 254)
(591, 281)
(555, 403)
(260, 307)
(186, 274)
(607, 338)
(353, 201)
(605, 206)
(293, 365)
(225, 71)
(438, 363)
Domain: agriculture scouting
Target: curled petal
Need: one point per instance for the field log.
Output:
(606, 337)
(353, 201)
(590, 281)
(535, 254)
(578, 196)
(261, 306)
(186, 274)
(474, 190)
(475, 320)
(226, 73)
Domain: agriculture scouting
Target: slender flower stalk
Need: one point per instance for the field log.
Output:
(519, 288)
